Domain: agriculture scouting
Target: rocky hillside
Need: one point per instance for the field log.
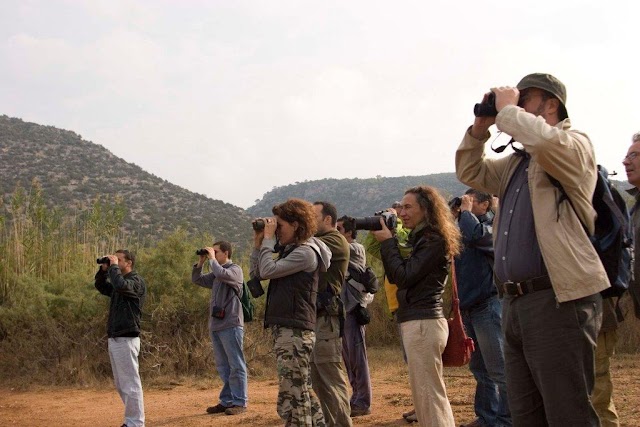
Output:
(74, 172)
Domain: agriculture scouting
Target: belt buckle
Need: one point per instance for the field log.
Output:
(518, 288)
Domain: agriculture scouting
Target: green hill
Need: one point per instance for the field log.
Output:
(74, 172)
(357, 197)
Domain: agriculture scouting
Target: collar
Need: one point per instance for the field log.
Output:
(417, 231)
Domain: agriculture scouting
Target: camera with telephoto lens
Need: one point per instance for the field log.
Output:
(103, 260)
(373, 222)
(258, 224)
(202, 251)
(486, 109)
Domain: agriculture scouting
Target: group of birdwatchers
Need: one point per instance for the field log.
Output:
(529, 281)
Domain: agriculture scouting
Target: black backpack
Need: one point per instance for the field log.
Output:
(366, 278)
(613, 236)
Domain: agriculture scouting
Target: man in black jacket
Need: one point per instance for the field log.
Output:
(117, 280)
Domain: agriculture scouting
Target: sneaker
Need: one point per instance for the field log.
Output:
(235, 410)
(218, 409)
(358, 412)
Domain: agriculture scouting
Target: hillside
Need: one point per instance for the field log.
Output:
(74, 172)
(357, 197)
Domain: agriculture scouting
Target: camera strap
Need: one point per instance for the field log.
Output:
(498, 150)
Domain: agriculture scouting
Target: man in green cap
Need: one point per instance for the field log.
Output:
(546, 269)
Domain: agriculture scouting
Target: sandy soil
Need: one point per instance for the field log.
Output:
(183, 403)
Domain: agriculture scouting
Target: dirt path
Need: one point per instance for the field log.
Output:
(183, 403)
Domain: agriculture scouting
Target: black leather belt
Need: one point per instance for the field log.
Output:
(525, 287)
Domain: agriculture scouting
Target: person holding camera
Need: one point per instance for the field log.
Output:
(328, 375)
(226, 324)
(545, 265)
(434, 240)
(117, 279)
(372, 248)
(481, 309)
(355, 299)
(291, 302)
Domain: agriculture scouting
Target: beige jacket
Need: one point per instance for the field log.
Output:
(573, 264)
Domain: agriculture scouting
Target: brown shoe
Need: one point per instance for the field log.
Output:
(408, 413)
(235, 410)
(411, 416)
(474, 423)
(218, 409)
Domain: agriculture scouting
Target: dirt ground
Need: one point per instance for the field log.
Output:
(183, 402)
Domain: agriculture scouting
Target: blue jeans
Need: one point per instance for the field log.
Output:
(483, 324)
(354, 353)
(229, 358)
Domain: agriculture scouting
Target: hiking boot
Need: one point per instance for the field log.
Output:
(358, 412)
(218, 409)
(235, 410)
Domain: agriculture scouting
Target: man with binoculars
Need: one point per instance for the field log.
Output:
(226, 324)
(545, 266)
(117, 279)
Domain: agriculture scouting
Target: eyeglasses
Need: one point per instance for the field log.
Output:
(630, 157)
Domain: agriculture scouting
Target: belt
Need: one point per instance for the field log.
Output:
(525, 287)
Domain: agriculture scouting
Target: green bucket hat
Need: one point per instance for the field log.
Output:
(545, 82)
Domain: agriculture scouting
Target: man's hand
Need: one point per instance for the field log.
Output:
(211, 253)
(112, 259)
(481, 125)
(506, 95)
(383, 234)
(466, 203)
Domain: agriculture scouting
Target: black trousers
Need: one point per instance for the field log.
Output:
(549, 353)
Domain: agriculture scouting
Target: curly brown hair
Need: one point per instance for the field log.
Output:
(300, 211)
(438, 217)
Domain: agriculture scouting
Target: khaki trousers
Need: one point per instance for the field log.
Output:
(424, 341)
(601, 397)
(328, 375)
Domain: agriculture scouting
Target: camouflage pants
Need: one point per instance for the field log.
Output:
(297, 404)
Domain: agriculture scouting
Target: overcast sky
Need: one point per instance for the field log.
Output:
(232, 98)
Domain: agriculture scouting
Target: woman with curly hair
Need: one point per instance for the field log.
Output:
(291, 302)
(420, 278)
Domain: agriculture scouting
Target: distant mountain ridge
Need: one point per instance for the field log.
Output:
(74, 172)
(357, 197)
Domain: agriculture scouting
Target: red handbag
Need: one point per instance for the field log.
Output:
(459, 345)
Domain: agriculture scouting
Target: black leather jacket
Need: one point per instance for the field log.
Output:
(420, 278)
(127, 298)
